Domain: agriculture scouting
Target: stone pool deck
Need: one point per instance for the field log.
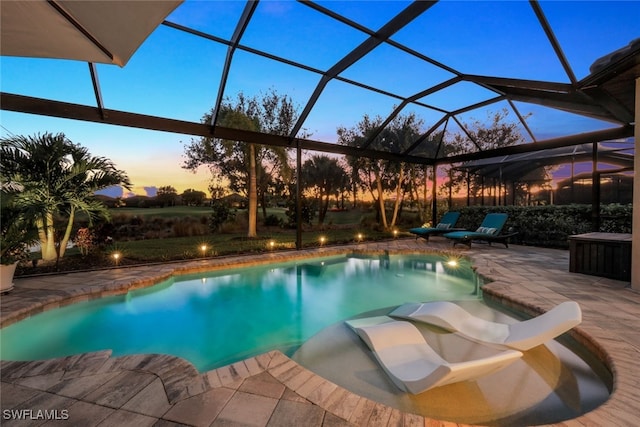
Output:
(272, 390)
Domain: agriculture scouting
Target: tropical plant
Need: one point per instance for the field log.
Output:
(57, 180)
(16, 232)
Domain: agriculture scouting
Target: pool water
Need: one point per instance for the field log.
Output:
(216, 318)
(551, 383)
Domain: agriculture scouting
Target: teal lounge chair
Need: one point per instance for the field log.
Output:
(445, 225)
(489, 231)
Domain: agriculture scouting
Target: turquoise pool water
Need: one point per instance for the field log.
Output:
(218, 318)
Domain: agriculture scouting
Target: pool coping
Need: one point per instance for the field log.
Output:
(182, 382)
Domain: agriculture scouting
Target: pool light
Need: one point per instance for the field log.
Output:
(452, 263)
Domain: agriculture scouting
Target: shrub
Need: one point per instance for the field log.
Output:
(220, 213)
(188, 226)
(550, 226)
(370, 222)
(273, 221)
(84, 240)
(237, 223)
(307, 213)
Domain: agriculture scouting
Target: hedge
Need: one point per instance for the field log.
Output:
(551, 225)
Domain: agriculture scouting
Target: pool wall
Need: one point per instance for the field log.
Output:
(67, 289)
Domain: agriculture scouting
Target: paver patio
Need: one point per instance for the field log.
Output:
(271, 389)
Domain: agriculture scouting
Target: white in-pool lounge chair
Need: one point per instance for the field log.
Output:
(520, 335)
(412, 364)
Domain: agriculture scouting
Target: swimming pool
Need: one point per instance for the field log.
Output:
(218, 318)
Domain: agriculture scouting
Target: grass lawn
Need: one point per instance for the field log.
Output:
(168, 212)
(352, 216)
(225, 244)
(343, 227)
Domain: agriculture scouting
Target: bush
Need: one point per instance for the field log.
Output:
(370, 222)
(220, 213)
(550, 226)
(238, 223)
(273, 221)
(188, 226)
(84, 240)
(307, 212)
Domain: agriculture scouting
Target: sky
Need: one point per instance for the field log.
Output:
(177, 75)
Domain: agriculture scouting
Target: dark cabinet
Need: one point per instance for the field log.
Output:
(601, 254)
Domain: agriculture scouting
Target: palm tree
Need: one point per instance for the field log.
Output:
(325, 177)
(57, 180)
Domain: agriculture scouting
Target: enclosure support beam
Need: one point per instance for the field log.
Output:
(434, 201)
(595, 192)
(247, 13)
(298, 196)
(635, 240)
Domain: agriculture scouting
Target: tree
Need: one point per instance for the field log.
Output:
(249, 168)
(167, 196)
(325, 177)
(192, 197)
(493, 133)
(57, 179)
(382, 176)
(217, 191)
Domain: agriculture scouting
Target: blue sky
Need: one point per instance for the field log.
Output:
(177, 75)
